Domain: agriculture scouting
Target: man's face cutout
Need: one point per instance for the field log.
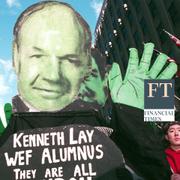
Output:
(51, 61)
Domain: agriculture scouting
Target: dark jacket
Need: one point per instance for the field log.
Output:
(139, 141)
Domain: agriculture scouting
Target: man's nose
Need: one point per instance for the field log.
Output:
(52, 69)
(177, 133)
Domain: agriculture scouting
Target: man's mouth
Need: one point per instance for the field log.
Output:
(49, 93)
(47, 90)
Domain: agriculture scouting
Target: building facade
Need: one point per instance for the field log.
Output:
(123, 24)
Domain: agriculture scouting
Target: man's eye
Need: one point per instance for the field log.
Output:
(36, 56)
(171, 131)
(74, 61)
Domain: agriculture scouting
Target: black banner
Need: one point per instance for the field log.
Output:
(73, 152)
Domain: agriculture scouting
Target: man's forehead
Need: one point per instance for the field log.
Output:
(58, 17)
(174, 126)
(52, 41)
(52, 26)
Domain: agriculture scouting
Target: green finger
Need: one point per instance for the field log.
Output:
(133, 61)
(146, 57)
(1, 127)
(169, 72)
(114, 77)
(7, 111)
(158, 65)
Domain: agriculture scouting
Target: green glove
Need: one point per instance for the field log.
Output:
(8, 113)
(95, 85)
(130, 91)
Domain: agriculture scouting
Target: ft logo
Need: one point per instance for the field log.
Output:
(159, 100)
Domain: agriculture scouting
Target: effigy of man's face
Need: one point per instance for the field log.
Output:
(51, 59)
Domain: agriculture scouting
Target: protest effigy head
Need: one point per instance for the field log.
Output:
(51, 54)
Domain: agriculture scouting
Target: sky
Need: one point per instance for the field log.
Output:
(9, 12)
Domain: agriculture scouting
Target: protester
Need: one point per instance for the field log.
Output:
(172, 135)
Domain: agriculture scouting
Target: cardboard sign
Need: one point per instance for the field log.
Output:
(159, 100)
(62, 153)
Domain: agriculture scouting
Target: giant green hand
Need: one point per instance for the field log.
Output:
(93, 85)
(130, 90)
(8, 113)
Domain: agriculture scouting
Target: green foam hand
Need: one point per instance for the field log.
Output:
(7, 113)
(94, 84)
(130, 90)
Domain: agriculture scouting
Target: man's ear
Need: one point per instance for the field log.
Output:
(166, 137)
(15, 57)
